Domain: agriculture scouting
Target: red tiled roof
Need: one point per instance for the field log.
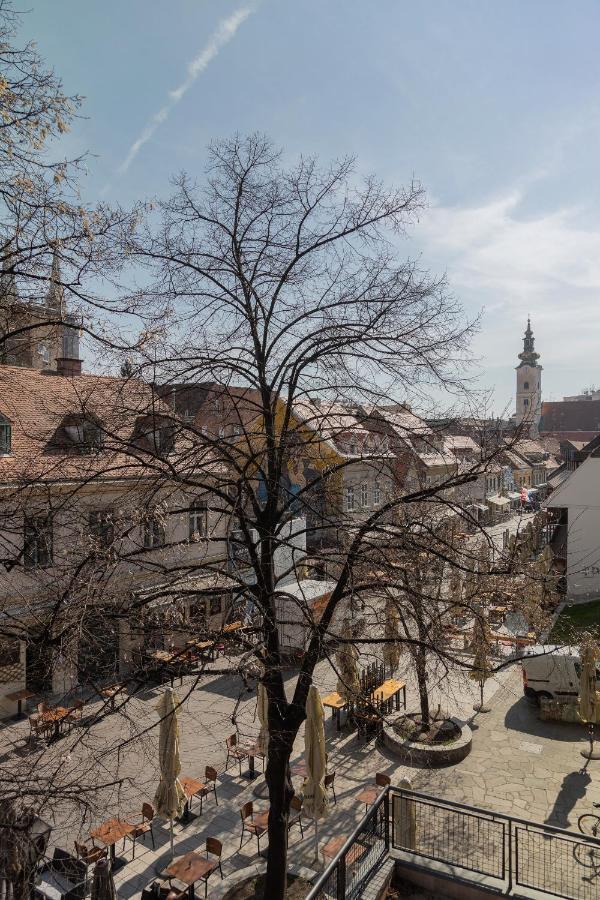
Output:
(570, 416)
(38, 403)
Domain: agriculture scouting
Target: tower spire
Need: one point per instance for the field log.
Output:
(55, 298)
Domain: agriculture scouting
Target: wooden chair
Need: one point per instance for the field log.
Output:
(75, 713)
(89, 856)
(295, 816)
(142, 828)
(234, 750)
(369, 795)
(213, 848)
(247, 812)
(210, 785)
(42, 706)
(38, 728)
(329, 782)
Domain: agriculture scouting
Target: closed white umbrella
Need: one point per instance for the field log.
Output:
(103, 885)
(405, 820)
(391, 649)
(315, 796)
(262, 709)
(170, 796)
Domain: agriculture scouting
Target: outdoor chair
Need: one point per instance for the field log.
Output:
(295, 816)
(329, 783)
(248, 823)
(142, 828)
(38, 728)
(369, 795)
(210, 785)
(234, 750)
(213, 848)
(75, 713)
(89, 856)
(62, 876)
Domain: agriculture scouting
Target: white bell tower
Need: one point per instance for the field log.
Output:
(529, 386)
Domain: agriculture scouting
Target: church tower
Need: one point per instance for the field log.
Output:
(529, 386)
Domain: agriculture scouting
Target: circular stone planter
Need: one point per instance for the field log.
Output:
(415, 753)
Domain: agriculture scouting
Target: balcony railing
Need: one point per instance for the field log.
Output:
(463, 843)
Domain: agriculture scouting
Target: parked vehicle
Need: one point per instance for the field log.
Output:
(552, 672)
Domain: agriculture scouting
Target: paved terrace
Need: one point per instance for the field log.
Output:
(518, 765)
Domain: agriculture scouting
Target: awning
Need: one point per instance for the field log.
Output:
(499, 501)
(532, 490)
(168, 593)
(481, 507)
(514, 495)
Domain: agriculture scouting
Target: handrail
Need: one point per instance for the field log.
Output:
(342, 852)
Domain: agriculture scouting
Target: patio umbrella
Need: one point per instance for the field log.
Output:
(315, 797)
(348, 684)
(405, 820)
(103, 885)
(262, 709)
(391, 650)
(589, 698)
(170, 797)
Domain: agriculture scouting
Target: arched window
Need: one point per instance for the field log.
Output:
(526, 385)
(5, 436)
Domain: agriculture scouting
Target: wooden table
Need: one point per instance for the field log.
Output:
(55, 714)
(336, 704)
(388, 691)
(18, 697)
(191, 787)
(252, 750)
(111, 693)
(233, 626)
(109, 833)
(207, 647)
(189, 869)
(333, 847)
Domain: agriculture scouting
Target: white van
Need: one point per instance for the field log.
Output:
(552, 672)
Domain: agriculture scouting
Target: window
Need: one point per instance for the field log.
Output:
(10, 653)
(364, 494)
(197, 517)
(525, 402)
(197, 612)
(154, 534)
(5, 437)
(526, 385)
(215, 606)
(350, 499)
(86, 435)
(164, 438)
(376, 493)
(38, 542)
(221, 431)
(102, 529)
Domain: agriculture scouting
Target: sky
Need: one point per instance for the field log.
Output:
(493, 106)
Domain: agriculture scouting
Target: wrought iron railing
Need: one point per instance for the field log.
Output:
(465, 843)
(346, 875)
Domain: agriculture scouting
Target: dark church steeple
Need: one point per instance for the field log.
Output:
(529, 357)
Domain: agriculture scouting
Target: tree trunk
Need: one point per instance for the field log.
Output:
(280, 793)
(421, 672)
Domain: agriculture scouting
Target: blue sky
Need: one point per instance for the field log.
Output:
(493, 106)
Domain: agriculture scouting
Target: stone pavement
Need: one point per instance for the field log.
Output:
(518, 765)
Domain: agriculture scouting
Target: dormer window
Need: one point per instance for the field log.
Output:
(5, 436)
(155, 434)
(84, 434)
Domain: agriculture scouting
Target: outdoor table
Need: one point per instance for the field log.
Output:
(336, 704)
(111, 693)
(207, 647)
(390, 690)
(233, 626)
(252, 750)
(189, 869)
(109, 833)
(333, 847)
(18, 697)
(55, 714)
(191, 787)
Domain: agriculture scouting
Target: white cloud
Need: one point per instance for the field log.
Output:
(224, 32)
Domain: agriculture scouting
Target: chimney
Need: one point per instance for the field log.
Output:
(68, 367)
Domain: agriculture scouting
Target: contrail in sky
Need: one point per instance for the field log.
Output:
(224, 32)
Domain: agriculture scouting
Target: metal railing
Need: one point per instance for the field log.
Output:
(347, 873)
(463, 843)
(510, 853)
